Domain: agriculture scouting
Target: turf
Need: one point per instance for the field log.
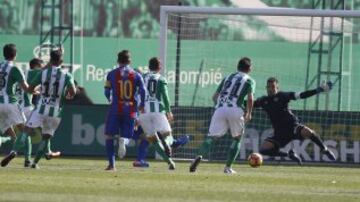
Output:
(85, 180)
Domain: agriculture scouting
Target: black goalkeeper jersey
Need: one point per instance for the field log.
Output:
(277, 108)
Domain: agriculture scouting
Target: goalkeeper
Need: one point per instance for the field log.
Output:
(286, 125)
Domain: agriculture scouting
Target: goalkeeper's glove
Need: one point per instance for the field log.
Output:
(325, 86)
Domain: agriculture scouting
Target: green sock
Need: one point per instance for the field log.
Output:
(28, 148)
(160, 150)
(41, 150)
(20, 142)
(4, 139)
(233, 152)
(205, 146)
(47, 149)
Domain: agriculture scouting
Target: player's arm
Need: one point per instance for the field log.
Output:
(217, 92)
(249, 106)
(257, 103)
(141, 87)
(107, 88)
(35, 83)
(70, 87)
(166, 100)
(250, 99)
(324, 87)
(19, 77)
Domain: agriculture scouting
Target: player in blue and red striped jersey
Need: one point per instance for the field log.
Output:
(121, 88)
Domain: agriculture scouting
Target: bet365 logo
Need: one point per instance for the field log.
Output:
(85, 133)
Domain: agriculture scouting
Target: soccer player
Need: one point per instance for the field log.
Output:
(121, 88)
(143, 145)
(157, 113)
(55, 86)
(10, 115)
(229, 115)
(25, 101)
(286, 125)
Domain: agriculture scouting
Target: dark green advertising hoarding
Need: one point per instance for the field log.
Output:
(82, 127)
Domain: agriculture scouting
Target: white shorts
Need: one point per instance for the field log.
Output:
(225, 118)
(27, 112)
(10, 115)
(153, 122)
(47, 124)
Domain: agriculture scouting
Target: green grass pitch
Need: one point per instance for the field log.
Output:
(71, 179)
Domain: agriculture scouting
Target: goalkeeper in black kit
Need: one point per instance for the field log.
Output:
(285, 124)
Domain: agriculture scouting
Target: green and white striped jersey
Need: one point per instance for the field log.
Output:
(156, 95)
(9, 76)
(24, 97)
(54, 83)
(233, 89)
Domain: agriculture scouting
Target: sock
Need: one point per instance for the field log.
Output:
(233, 152)
(48, 148)
(316, 139)
(160, 150)
(110, 151)
(28, 148)
(20, 142)
(142, 150)
(4, 139)
(41, 150)
(273, 152)
(205, 146)
(169, 140)
(13, 139)
(165, 145)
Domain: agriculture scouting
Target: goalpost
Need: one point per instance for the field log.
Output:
(301, 47)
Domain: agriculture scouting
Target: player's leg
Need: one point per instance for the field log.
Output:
(159, 148)
(141, 148)
(45, 141)
(6, 123)
(13, 118)
(32, 128)
(126, 126)
(218, 128)
(165, 141)
(180, 141)
(18, 118)
(48, 131)
(307, 133)
(122, 142)
(6, 160)
(162, 126)
(27, 111)
(271, 147)
(31, 132)
(4, 139)
(49, 154)
(111, 129)
(165, 132)
(237, 126)
(4, 126)
(21, 137)
(146, 122)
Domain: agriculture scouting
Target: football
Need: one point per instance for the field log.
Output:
(255, 160)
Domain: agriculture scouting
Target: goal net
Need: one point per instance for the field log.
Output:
(200, 46)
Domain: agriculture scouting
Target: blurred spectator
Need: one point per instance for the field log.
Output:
(9, 22)
(131, 9)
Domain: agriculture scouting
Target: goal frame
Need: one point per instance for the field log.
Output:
(165, 10)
